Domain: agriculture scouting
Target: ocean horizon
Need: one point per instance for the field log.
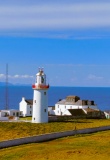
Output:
(100, 95)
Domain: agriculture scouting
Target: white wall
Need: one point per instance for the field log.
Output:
(52, 112)
(66, 112)
(23, 107)
(29, 110)
(15, 113)
(3, 118)
(107, 115)
(2, 114)
(7, 113)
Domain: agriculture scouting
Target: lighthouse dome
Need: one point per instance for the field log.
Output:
(40, 74)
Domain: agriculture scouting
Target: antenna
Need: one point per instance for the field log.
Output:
(6, 93)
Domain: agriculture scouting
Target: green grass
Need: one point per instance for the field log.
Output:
(11, 130)
(79, 147)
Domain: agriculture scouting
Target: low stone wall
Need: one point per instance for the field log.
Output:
(51, 136)
(63, 118)
(3, 118)
(66, 118)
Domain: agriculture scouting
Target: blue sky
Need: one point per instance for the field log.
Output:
(69, 39)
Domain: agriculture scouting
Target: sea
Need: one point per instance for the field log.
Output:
(100, 95)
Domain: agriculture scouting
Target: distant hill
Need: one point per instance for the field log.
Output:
(17, 84)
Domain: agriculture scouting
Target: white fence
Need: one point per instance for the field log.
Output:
(51, 136)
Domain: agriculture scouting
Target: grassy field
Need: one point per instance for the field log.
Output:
(11, 130)
(79, 147)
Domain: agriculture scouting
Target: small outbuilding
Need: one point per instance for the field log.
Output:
(26, 107)
(107, 114)
(10, 114)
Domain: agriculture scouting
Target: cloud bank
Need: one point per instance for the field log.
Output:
(3, 76)
(53, 16)
(94, 77)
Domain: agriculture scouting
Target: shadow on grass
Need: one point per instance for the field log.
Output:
(71, 121)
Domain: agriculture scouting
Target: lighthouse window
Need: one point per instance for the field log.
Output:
(42, 79)
(44, 93)
(44, 110)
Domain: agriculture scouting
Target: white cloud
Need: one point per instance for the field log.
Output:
(27, 76)
(16, 76)
(2, 76)
(56, 16)
(94, 77)
(22, 76)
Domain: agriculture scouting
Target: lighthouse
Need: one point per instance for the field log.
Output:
(40, 98)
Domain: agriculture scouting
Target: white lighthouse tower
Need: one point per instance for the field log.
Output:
(40, 98)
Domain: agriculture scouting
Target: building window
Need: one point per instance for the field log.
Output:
(30, 106)
(35, 101)
(42, 79)
(5, 114)
(44, 93)
(58, 106)
(44, 110)
(30, 112)
(13, 113)
(34, 119)
(65, 106)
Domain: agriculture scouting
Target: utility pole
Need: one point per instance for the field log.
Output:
(6, 91)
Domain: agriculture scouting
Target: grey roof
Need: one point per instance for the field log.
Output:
(75, 100)
(64, 102)
(72, 96)
(91, 110)
(108, 111)
(79, 102)
(29, 101)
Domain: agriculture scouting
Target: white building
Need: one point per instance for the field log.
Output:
(40, 98)
(26, 106)
(10, 114)
(70, 103)
(107, 114)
